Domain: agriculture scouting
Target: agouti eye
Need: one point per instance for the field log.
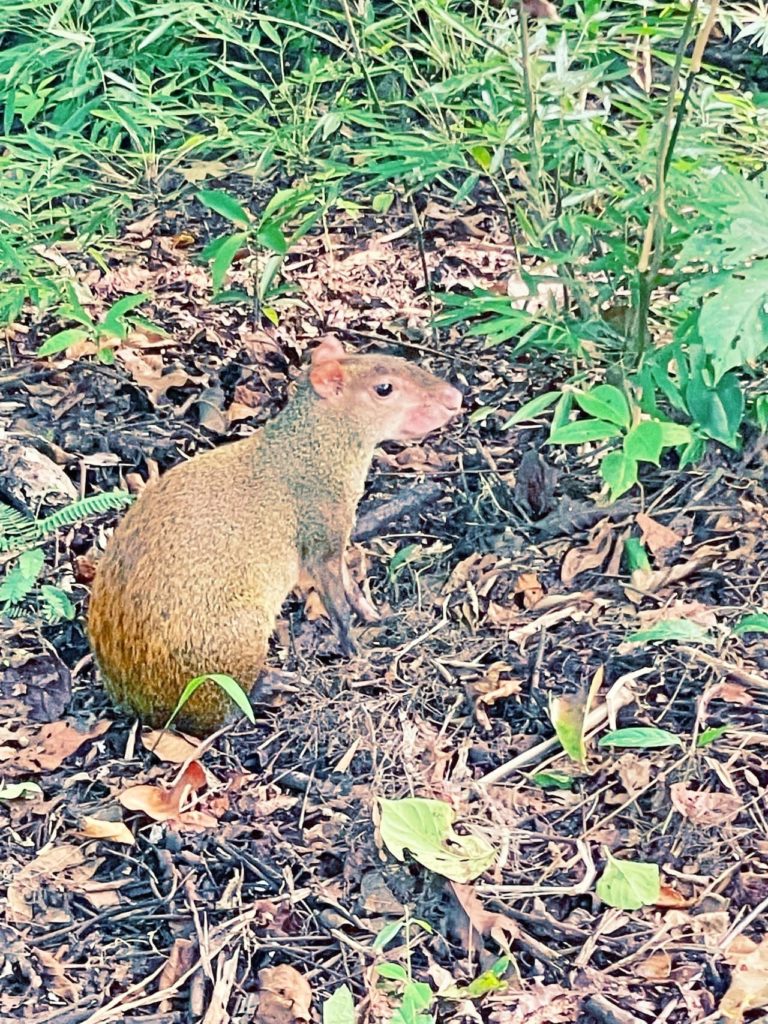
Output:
(382, 390)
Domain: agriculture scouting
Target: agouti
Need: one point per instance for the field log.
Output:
(194, 577)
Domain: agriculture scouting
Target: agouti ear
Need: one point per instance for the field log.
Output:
(329, 348)
(327, 377)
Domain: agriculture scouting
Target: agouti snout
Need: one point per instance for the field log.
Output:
(195, 575)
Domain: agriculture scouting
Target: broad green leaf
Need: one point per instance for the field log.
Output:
(733, 322)
(425, 828)
(235, 693)
(553, 780)
(644, 442)
(532, 409)
(605, 402)
(224, 204)
(582, 431)
(708, 736)
(402, 558)
(673, 629)
(57, 604)
(20, 791)
(629, 885)
(635, 555)
(339, 1007)
(717, 410)
(674, 434)
(567, 715)
(757, 623)
(273, 238)
(639, 737)
(489, 981)
(382, 201)
(62, 340)
(393, 972)
(225, 253)
(619, 472)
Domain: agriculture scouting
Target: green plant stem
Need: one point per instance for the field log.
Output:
(372, 94)
(533, 123)
(652, 251)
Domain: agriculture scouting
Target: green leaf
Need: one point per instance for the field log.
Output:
(566, 713)
(757, 623)
(406, 554)
(532, 409)
(21, 579)
(273, 238)
(62, 340)
(733, 322)
(605, 402)
(553, 780)
(717, 410)
(425, 829)
(394, 972)
(224, 204)
(386, 935)
(57, 606)
(674, 434)
(582, 431)
(635, 555)
(20, 791)
(639, 737)
(382, 201)
(339, 1007)
(673, 629)
(708, 736)
(629, 885)
(235, 693)
(619, 472)
(644, 442)
(225, 253)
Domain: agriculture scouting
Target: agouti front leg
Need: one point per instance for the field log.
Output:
(355, 596)
(329, 577)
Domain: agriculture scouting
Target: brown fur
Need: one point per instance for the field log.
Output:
(195, 575)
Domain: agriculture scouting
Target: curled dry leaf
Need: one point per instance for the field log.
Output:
(54, 743)
(591, 555)
(705, 807)
(169, 746)
(657, 967)
(749, 985)
(487, 923)
(528, 589)
(98, 828)
(169, 804)
(284, 996)
(659, 539)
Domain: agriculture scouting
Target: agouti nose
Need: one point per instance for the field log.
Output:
(451, 398)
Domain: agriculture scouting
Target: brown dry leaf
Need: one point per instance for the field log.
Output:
(657, 967)
(50, 864)
(54, 743)
(499, 927)
(284, 996)
(705, 807)
(634, 772)
(170, 746)
(541, 9)
(539, 1004)
(659, 539)
(588, 556)
(168, 804)
(670, 897)
(54, 973)
(701, 614)
(733, 693)
(99, 828)
(180, 959)
(199, 170)
(749, 985)
(149, 373)
(528, 589)
(651, 581)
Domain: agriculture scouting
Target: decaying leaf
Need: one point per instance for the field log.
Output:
(749, 984)
(163, 804)
(284, 996)
(705, 807)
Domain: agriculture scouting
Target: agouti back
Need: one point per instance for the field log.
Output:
(194, 577)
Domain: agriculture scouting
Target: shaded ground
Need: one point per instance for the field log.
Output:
(507, 589)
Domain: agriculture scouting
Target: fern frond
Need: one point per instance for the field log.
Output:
(94, 504)
(16, 528)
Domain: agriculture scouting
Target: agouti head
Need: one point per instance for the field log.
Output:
(390, 398)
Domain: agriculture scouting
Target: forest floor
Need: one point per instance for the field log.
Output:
(267, 884)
